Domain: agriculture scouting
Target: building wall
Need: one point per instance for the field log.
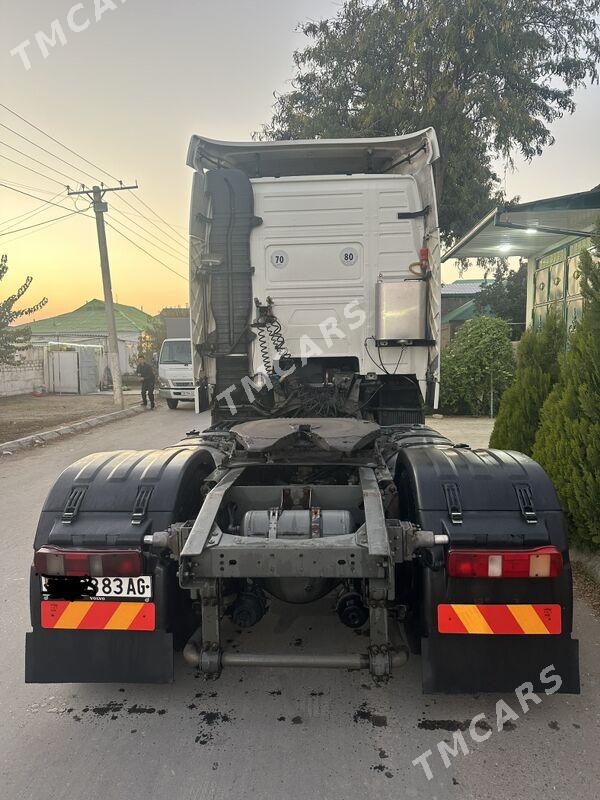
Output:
(553, 282)
(21, 379)
(128, 345)
(178, 327)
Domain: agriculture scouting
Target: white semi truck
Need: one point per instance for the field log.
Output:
(315, 306)
(335, 260)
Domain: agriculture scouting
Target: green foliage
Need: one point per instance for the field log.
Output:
(506, 296)
(490, 75)
(150, 341)
(477, 366)
(537, 372)
(12, 339)
(568, 440)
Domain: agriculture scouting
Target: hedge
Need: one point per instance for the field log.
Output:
(537, 372)
(568, 440)
(477, 364)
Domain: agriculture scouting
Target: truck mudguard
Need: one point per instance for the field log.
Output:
(487, 499)
(114, 500)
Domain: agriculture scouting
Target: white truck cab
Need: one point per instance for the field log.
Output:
(175, 372)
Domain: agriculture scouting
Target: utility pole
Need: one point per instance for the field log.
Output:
(96, 195)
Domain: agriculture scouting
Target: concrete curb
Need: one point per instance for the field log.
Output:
(38, 439)
(589, 562)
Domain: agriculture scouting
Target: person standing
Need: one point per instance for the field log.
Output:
(146, 373)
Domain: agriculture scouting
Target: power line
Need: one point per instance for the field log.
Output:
(26, 186)
(139, 199)
(35, 171)
(116, 209)
(56, 141)
(73, 180)
(29, 214)
(49, 152)
(158, 260)
(169, 252)
(47, 224)
(91, 163)
(144, 216)
(132, 214)
(41, 163)
(162, 241)
(39, 224)
(27, 194)
(106, 172)
(166, 266)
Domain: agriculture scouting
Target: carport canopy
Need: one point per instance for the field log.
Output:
(529, 228)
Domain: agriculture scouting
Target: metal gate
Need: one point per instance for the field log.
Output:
(64, 371)
(88, 371)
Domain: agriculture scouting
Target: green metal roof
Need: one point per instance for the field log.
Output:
(175, 312)
(91, 318)
(464, 287)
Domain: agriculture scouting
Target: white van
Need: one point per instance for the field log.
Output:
(175, 372)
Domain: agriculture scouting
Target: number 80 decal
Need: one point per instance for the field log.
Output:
(349, 256)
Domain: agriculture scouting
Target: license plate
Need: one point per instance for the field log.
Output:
(115, 588)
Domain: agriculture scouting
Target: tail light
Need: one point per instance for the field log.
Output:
(543, 562)
(54, 561)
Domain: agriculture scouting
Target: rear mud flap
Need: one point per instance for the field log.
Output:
(471, 664)
(98, 657)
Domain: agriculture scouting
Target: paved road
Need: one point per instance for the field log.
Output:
(308, 735)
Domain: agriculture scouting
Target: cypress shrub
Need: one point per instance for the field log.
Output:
(537, 372)
(478, 362)
(568, 440)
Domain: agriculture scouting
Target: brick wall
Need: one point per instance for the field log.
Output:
(21, 379)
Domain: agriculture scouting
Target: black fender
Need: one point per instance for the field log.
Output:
(489, 499)
(114, 500)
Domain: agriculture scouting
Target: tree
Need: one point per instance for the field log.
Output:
(489, 75)
(537, 372)
(506, 296)
(150, 340)
(477, 366)
(12, 339)
(568, 441)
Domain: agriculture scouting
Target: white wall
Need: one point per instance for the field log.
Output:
(128, 344)
(21, 379)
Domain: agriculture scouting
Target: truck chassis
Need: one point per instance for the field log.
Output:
(303, 509)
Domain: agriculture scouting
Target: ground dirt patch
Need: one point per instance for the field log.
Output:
(25, 415)
(586, 588)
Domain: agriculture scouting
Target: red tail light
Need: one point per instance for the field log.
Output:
(50, 561)
(543, 562)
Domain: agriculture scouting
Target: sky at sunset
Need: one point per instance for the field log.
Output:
(126, 92)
